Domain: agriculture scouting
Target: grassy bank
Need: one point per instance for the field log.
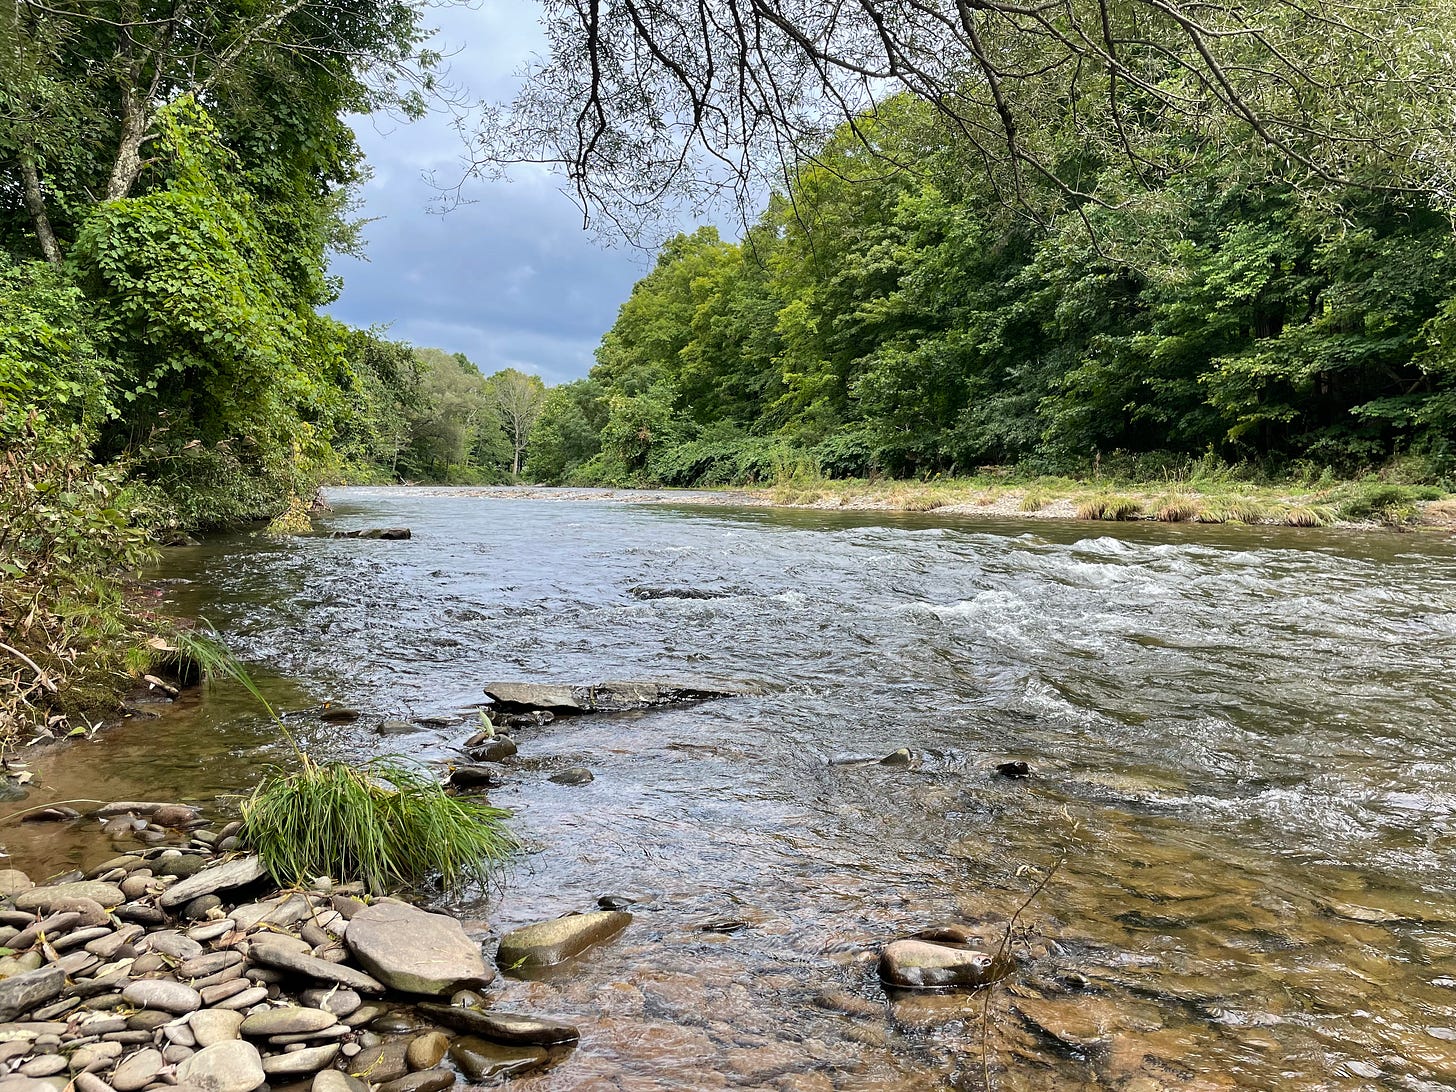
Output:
(1278, 504)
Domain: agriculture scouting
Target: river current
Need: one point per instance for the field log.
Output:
(1243, 745)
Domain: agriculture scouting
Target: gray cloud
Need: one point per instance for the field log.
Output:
(511, 279)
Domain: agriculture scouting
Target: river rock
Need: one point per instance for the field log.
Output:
(289, 1020)
(549, 942)
(215, 1025)
(425, 1051)
(476, 777)
(502, 1027)
(416, 952)
(426, 1080)
(575, 775)
(209, 963)
(22, 992)
(46, 898)
(230, 1066)
(229, 874)
(387, 533)
(273, 954)
(339, 1002)
(602, 697)
(159, 993)
(381, 1064)
(920, 964)
(298, 1062)
(13, 882)
(180, 865)
(480, 1060)
(137, 1071)
(494, 750)
(332, 1080)
(173, 944)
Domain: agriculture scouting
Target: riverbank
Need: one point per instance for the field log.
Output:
(1345, 504)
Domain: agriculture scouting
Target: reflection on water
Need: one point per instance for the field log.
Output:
(1241, 741)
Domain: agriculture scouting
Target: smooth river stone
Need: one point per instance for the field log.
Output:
(921, 965)
(137, 1071)
(230, 1066)
(286, 959)
(502, 1027)
(480, 1060)
(160, 993)
(44, 898)
(235, 873)
(290, 1020)
(426, 1080)
(13, 882)
(332, 1080)
(416, 952)
(215, 1025)
(550, 942)
(298, 1062)
(425, 1051)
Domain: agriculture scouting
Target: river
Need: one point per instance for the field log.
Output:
(1243, 744)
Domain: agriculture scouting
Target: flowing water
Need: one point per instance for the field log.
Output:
(1243, 746)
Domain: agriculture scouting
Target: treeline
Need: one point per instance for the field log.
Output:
(919, 321)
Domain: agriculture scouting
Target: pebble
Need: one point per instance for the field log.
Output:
(307, 1060)
(137, 1071)
(229, 1066)
(290, 1020)
(215, 1025)
(158, 993)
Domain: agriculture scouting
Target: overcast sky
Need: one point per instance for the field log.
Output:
(511, 279)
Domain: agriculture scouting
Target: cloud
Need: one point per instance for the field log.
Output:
(511, 279)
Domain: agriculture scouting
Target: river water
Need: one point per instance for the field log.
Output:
(1243, 745)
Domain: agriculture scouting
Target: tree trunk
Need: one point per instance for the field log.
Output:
(128, 164)
(35, 204)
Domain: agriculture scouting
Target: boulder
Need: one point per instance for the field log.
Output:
(923, 965)
(501, 1027)
(22, 992)
(415, 952)
(230, 1066)
(235, 873)
(549, 942)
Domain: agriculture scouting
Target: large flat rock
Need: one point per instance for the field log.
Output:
(277, 953)
(602, 697)
(414, 951)
(44, 898)
(238, 872)
(550, 942)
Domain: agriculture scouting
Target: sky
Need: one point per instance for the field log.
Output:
(511, 279)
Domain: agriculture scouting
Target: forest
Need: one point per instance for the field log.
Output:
(879, 320)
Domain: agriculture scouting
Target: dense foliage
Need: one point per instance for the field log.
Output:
(911, 323)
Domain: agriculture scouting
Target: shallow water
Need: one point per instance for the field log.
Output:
(1245, 778)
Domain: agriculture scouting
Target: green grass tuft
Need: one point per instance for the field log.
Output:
(1110, 508)
(383, 823)
(1176, 508)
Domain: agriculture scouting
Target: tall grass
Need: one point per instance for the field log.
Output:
(382, 822)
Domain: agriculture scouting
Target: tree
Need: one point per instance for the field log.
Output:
(518, 399)
(640, 101)
(84, 87)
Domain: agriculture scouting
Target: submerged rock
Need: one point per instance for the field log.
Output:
(502, 1027)
(923, 965)
(1013, 770)
(417, 952)
(576, 775)
(481, 1060)
(550, 942)
(603, 697)
(394, 533)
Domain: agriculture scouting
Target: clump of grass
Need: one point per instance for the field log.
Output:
(1176, 508)
(1306, 515)
(1109, 508)
(1245, 510)
(1391, 505)
(383, 823)
(792, 496)
(1033, 500)
(921, 502)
